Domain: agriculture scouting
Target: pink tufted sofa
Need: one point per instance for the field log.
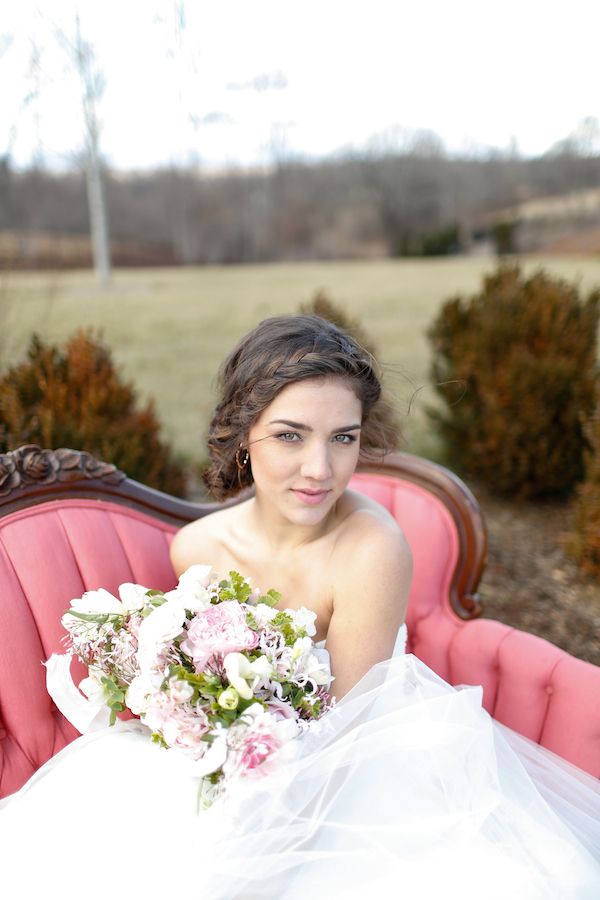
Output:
(69, 523)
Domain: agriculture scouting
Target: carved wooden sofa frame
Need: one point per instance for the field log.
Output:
(70, 523)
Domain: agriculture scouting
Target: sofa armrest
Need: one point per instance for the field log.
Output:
(533, 687)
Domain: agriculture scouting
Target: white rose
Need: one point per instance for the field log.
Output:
(141, 688)
(201, 575)
(133, 596)
(162, 625)
(263, 614)
(191, 591)
(304, 618)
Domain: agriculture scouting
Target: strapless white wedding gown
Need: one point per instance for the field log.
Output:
(406, 789)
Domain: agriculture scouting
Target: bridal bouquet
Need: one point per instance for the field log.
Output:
(211, 668)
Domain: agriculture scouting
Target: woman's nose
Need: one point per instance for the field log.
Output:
(316, 463)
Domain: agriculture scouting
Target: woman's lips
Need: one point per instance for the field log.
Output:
(310, 498)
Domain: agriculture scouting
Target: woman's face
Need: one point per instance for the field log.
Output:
(304, 448)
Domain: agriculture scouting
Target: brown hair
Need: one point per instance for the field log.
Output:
(278, 352)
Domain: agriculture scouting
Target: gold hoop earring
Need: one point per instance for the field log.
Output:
(242, 457)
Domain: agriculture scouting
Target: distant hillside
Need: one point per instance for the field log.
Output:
(585, 241)
(562, 223)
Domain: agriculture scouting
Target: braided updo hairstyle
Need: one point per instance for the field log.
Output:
(280, 351)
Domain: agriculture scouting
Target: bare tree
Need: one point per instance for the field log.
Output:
(91, 81)
(6, 41)
(92, 88)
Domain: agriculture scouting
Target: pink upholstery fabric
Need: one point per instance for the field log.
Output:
(48, 555)
(431, 533)
(54, 552)
(533, 687)
(528, 683)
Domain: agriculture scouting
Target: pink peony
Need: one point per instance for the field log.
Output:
(255, 749)
(218, 629)
(185, 729)
(254, 741)
(157, 710)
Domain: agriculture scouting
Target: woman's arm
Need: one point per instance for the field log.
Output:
(373, 574)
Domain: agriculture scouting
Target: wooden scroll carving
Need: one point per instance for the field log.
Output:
(31, 465)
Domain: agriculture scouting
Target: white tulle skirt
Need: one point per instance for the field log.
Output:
(406, 789)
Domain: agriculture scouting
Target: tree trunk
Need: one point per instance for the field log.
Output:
(92, 85)
(98, 220)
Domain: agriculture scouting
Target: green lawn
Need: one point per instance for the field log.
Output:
(170, 328)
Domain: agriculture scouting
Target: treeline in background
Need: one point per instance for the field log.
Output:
(418, 201)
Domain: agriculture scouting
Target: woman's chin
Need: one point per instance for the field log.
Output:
(313, 512)
(297, 509)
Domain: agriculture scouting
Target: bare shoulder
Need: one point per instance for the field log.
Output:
(368, 524)
(371, 546)
(372, 573)
(201, 541)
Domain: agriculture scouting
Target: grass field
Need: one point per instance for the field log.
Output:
(170, 328)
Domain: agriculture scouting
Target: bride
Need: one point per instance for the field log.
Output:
(406, 786)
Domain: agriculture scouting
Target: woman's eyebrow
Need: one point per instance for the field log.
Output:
(347, 428)
(300, 427)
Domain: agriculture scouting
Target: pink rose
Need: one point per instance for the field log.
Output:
(219, 629)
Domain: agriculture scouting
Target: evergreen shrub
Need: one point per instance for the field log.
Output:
(74, 397)
(515, 367)
(584, 542)
(444, 242)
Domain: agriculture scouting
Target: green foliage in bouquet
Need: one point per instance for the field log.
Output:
(515, 367)
(73, 396)
(584, 543)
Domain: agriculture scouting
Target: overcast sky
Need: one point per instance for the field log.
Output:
(247, 79)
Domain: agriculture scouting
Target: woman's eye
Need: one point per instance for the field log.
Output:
(344, 438)
(289, 437)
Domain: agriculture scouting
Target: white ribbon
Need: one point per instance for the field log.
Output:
(86, 715)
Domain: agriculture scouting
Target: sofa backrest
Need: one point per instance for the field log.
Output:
(61, 538)
(50, 554)
(434, 539)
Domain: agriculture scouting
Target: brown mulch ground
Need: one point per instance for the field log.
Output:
(531, 583)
